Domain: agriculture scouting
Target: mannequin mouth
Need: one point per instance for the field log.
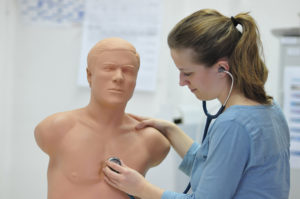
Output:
(193, 90)
(116, 90)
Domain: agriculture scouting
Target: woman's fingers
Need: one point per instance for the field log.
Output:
(142, 125)
(160, 125)
(119, 177)
(144, 122)
(111, 177)
(138, 118)
(116, 167)
(109, 181)
(127, 180)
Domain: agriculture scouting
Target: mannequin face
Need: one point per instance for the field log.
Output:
(112, 75)
(203, 81)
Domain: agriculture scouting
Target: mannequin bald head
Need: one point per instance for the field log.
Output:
(113, 64)
(110, 44)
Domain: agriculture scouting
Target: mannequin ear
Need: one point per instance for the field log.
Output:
(89, 76)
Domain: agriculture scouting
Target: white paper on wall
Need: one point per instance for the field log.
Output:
(137, 21)
(51, 12)
(292, 110)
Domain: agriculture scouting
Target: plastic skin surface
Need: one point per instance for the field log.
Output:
(78, 142)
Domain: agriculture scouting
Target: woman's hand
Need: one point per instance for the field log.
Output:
(130, 181)
(161, 125)
(178, 139)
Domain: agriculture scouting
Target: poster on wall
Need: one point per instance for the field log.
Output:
(137, 21)
(51, 12)
(292, 110)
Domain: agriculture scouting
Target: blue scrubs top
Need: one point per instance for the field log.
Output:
(244, 156)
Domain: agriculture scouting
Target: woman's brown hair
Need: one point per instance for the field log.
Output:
(212, 36)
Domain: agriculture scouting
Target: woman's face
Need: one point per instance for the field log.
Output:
(201, 80)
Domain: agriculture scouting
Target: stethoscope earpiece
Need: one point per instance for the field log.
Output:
(221, 69)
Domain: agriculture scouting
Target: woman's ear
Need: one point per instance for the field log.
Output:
(223, 65)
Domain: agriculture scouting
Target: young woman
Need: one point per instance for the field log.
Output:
(245, 153)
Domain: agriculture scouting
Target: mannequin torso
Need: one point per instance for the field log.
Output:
(78, 148)
(79, 142)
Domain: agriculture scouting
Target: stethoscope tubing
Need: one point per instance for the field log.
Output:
(210, 117)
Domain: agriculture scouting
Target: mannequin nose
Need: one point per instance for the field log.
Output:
(118, 76)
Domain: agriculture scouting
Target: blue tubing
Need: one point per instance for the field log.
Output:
(130, 196)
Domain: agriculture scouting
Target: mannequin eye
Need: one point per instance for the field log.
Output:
(109, 68)
(128, 69)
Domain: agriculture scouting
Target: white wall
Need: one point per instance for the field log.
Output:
(7, 27)
(38, 71)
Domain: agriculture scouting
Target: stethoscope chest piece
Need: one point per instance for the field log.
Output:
(115, 160)
(118, 161)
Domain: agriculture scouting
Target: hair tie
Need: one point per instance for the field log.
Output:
(234, 21)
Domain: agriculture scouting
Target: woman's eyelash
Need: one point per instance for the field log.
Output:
(187, 74)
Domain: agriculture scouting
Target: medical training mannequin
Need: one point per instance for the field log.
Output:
(79, 142)
(245, 154)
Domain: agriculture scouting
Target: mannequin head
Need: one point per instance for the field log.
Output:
(113, 64)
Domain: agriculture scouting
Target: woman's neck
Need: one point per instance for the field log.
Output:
(237, 98)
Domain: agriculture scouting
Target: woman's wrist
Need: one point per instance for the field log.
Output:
(180, 141)
(150, 191)
(171, 130)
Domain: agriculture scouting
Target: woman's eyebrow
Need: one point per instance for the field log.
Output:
(185, 69)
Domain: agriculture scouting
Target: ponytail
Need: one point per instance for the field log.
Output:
(212, 36)
(246, 61)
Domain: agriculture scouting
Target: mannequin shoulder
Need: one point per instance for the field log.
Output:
(60, 122)
(153, 135)
(52, 128)
(156, 143)
(151, 140)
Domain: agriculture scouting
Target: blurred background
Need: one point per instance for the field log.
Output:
(43, 45)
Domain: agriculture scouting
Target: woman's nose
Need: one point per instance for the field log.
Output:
(182, 80)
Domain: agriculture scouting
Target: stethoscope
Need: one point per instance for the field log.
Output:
(118, 161)
(209, 118)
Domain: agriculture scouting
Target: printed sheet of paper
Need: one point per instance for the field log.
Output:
(51, 12)
(137, 21)
(292, 110)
